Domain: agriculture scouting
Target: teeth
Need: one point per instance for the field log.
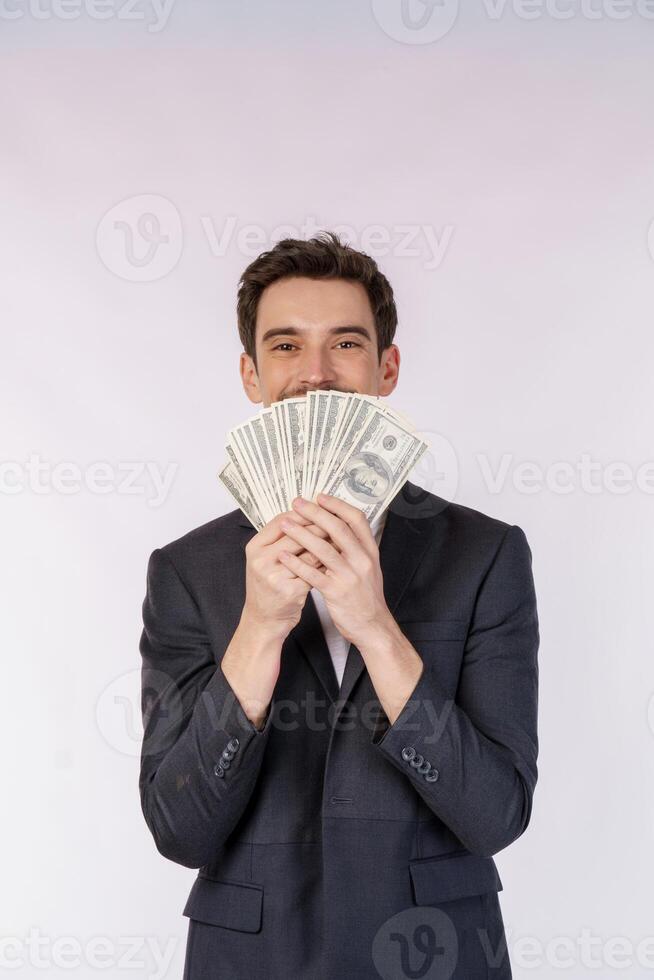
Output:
(349, 445)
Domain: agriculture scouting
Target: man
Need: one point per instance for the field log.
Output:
(340, 719)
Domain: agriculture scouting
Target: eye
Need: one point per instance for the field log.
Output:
(284, 344)
(353, 342)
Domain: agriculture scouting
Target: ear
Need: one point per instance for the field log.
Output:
(389, 369)
(250, 379)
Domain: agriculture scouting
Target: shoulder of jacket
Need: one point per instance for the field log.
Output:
(218, 535)
(468, 527)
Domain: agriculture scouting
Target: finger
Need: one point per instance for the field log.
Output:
(312, 576)
(290, 544)
(272, 532)
(321, 548)
(350, 515)
(340, 533)
(307, 557)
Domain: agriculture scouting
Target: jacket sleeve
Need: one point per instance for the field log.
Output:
(473, 759)
(200, 754)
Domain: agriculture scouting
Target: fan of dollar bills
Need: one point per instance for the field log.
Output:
(345, 444)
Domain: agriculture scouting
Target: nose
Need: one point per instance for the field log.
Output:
(316, 370)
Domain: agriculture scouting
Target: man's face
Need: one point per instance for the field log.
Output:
(369, 479)
(316, 334)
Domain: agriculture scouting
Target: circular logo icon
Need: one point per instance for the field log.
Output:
(119, 710)
(417, 942)
(140, 239)
(416, 21)
(436, 472)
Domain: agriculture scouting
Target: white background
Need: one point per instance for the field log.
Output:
(522, 140)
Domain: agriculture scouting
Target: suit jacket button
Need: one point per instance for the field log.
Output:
(227, 754)
(218, 770)
(408, 753)
(233, 744)
(425, 767)
(431, 776)
(417, 761)
(225, 763)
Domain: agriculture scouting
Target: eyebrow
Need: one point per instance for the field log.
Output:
(295, 332)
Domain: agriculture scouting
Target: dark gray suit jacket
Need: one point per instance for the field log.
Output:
(330, 844)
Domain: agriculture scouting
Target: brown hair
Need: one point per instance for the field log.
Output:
(321, 257)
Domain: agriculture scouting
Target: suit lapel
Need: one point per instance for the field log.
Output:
(409, 529)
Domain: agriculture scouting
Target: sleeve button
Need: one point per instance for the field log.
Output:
(218, 770)
(431, 776)
(417, 761)
(408, 753)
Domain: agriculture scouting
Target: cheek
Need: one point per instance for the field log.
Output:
(274, 380)
(357, 374)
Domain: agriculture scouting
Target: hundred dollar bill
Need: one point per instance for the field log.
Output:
(330, 407)
(243, 478)
(243, 446)
(280, 426)
(233, 482)
(381, 454)
(257, 430)
(273, 451)
(361, 411)
(295, 409)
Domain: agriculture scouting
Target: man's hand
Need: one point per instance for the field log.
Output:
(273, 605)
(352, 585)
(351, 580)
(274, 595)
